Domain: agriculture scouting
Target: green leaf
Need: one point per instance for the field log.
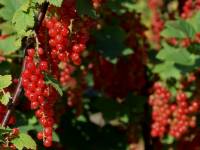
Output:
(40, 1)
(5, 98)
(168, 140)
(5, 81)
(55, 137)
(8, 46)
(178, 55)
(24, 141)
(53, 82)
(89, 79)
(22, 21)
(25, 6)
(56, 3)
(84, 7)
(127, 51)
(6, 28)
(124, 119)
(195, 21)
(9, 8)
(4, 131)
(167, 70)
(178, 29)
(81, 118)
(32, 120)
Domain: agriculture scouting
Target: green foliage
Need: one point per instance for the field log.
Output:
(110, 42)
(5, 81)
(54, 83)
(7, 45)
(24, 141)
(3, 131)
(121, 7)
(5, 98)
(168, 140)
(39, 1)
(89, 135)
(178, 29)
(195, 21)
(6, 28)
(167, 70)
(57, 3)
(85, 8)
(23, 19)
(177, 55)
(174, 61)
(9, 8)
(113, 110)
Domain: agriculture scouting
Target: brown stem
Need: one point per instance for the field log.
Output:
(18, 89)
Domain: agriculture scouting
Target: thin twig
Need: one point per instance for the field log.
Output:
(18, 89)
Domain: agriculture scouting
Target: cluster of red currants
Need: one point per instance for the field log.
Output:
(189, 8)
(65, 75)
(173, 118)
(160, 110)
(39, 93)
(156, 22)
(58, 33)
(182, 115)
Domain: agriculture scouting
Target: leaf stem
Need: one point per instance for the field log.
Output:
(13, 102)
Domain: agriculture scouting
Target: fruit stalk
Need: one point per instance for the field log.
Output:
(13, 102)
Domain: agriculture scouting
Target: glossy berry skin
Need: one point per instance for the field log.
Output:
(43, 65)
(41, 96)
(171, 118)
(47, 143)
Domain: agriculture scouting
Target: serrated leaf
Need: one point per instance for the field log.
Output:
(22, 21)
(5, 81)
(7, 45)
(24, 141)
(56, 3)
(84, 7)
(178, 29)
(178, 55)
(9, 8)
(6, 28)
(53, 82)
(25, 6)
(5, 98)
(40, 1)
(167, 70)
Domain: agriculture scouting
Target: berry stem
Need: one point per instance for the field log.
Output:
(18, 89)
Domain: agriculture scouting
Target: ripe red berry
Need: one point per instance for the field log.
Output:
(43, 65)
(40, 51)
(47, 143)
(31, 52)
(40, 135)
